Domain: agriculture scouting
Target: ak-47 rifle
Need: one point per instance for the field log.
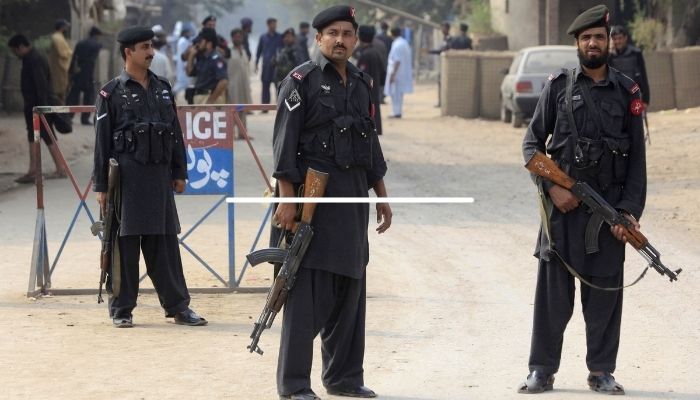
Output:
(107, 226)
(545, 167)
(290, 258)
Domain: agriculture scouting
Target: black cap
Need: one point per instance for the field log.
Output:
(591, 18)
(94, 31)
(135, 34)
(332, 14)
(304, 25)
(208, 34)
(246, 22)
(366, 33)
(60, 23)
(288, 31)
(208, 18)
(618, 29)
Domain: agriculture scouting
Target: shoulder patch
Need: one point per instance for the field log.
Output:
(626, 82)
(300, 72)
(165, 81)
(107, 89)
(557, 74)
(636, 107)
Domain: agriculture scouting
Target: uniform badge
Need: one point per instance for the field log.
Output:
(326, 89)
(104, 94)
(220, 64)
(293, 100)
(636, 107)
(634, 89)
(297, 76)
(99, 117)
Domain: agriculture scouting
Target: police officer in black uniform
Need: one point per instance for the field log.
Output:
(137, 124)
(629, 60)
(324, 121)
(82, 69)
(206, 64)
(588, 120)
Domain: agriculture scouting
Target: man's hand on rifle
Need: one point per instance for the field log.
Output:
(563, 199)
(619, 231)
(102, 201)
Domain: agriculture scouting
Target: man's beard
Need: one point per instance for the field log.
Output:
(593, 62)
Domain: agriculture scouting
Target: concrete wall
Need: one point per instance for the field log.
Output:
(518, 20)
(661, 82)
(686, 75)
(471, 82)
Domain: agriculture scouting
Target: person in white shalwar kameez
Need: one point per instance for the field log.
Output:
(399, 74)
(239, 76)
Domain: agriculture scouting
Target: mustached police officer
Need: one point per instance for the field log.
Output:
(137, 124)
(589, 121)
(324, 121)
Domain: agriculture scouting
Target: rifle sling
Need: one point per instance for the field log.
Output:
(573, 272)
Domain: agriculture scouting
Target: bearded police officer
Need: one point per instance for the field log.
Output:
(137, 125)
(588, 120)
(629, 60)
(324, 121)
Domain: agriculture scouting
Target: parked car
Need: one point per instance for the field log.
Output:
(526, 77)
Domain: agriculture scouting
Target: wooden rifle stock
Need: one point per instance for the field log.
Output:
(545, 167)
(314, 186)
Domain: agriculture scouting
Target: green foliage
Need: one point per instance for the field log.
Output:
(480, 17)
(648, 26)
(648, 33)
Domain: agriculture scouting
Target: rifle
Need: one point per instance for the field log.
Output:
(290, 258)
(108, 226)
(545, 167)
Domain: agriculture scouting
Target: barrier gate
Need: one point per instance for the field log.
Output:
(208, 135)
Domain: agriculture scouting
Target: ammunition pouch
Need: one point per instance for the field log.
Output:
(601, 161)
(142, 138)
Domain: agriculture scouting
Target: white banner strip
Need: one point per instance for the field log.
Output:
(338, 200)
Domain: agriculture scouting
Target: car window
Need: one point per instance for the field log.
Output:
(516, 62)
(547, 62)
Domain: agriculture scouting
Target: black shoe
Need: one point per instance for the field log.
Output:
(605, 384)
(306, 394)
(85, 122)
(190, 318)
(537, 382)
(123, 322)
(395, 116)
(360, 391)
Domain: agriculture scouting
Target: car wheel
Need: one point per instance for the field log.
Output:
(517, 120)
(506, 114)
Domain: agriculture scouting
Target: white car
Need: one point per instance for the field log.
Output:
(526, 77)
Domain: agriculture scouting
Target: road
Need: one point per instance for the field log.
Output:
(450, 287)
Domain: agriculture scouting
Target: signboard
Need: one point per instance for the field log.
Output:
(208, 134)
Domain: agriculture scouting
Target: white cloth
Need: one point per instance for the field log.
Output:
(400, 55)
(182, 81)
(396, 103)
(161, 65)
(239, 78)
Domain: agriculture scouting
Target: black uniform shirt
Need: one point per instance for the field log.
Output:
(209, 70)
(617, 101)
(630, 62)
(35, 80)
(84, 58)
(462, 42)
(310, 109)
(139, 127)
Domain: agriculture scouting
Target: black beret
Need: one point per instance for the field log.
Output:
(332, 14)
(135, 34)
(591, 18)
(366, 33)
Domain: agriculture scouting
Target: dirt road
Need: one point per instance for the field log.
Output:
(450, 287)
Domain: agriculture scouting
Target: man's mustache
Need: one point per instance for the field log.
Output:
(339, 46)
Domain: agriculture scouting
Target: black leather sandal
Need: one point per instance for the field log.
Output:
(537, 382)
(605, 384)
